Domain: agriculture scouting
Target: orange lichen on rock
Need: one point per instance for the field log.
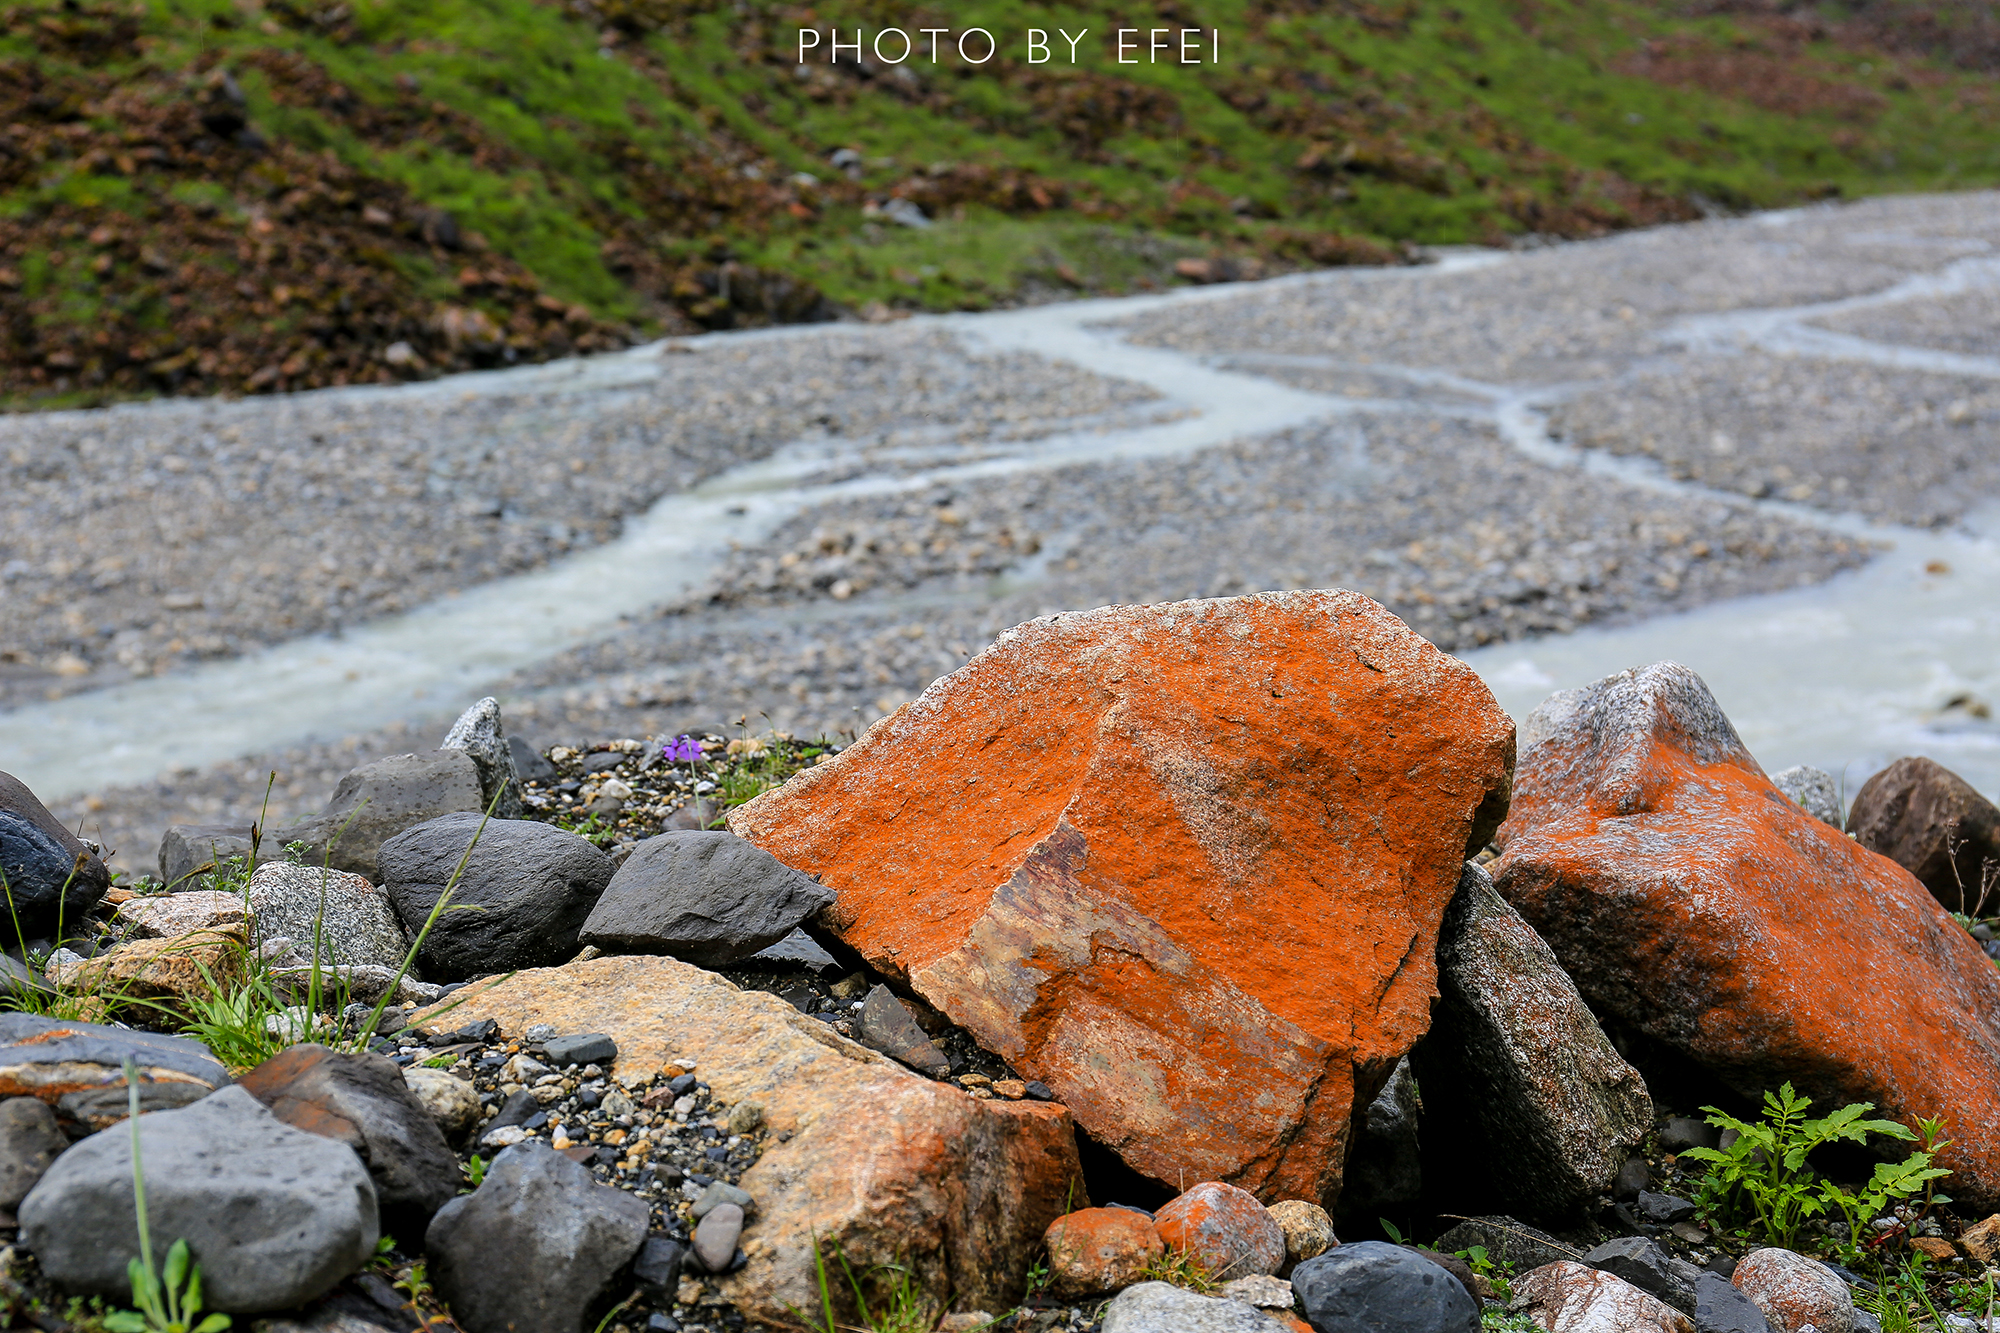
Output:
(1184, 863)
(1691, 901)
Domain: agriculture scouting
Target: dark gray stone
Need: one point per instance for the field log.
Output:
(583, 1048)
(29, 1141)
(539, 1245)
(1525, 1098)
(603, 761)
(1507, 1239)
(718, 1193)
(715, 1237)
(1633, 1178)
(1646, 1266)
(1374, 1287)
(1720, 1308)
(529, 763)
(18, 981)
(1682, 1132)
(478, 732)
(532, 886)
(274, 1215)
(798, 949)
(707, 898)
(377, 801)
(186, 848)
(50, 877)
(885, 1025)
(1155, 1307)
(1385, 1168)
(41, 1057)
(657, 1270)
(1664, 1209)
(91, 1109)
(364, 1102)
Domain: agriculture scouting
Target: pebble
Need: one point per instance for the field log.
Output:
(715, 1237)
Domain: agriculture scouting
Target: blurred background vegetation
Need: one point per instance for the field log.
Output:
(246, 195)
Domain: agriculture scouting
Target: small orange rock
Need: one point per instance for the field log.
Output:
(1934, 1247)
(1225, 1228)
(1013, 1089)
(1100, 1249)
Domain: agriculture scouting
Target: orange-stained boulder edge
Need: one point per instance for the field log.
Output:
(1185, 863)
(1692, 902)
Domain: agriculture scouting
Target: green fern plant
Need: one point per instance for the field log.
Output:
(1766, 1166)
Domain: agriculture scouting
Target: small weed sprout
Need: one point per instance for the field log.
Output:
(168, 1302)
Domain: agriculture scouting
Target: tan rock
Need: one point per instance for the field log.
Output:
(860, 1153)
(1982, 1240)
(1096, 1250)
(1308, 1230)
(190, 966)
(165, 915)
(451, 1100)
(1214, 837)
(1565, 1297)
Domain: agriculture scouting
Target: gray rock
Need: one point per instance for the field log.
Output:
(1374, 1287)
(1664, 1209)
(1865, 1321)
(657, 1270)
(715, 1237)
(377, 801)
(50, 876)
(18, 981)
(530, 765)
(583, 1048)
(707, 898)
(798, 949)
(29, 1141)
(479, 734)
(539, 1245)
(1682, 1132)
(1385, 1170)
(41, 1057)
(1530, 1101)
(361, 984)
(88, 1110)
(1720, 1308)
(718, 1193)
(364, 1102)
(1507, 1239)
(1155, 1307)
(453, 1104)
(1623, 715)
(886, 1025)
(1579, 1299)
(1814, 791)
(1633, 1178)
(185, 848)
(275, 1216)
(530, 886)
(1646, 1266)
(355, 924)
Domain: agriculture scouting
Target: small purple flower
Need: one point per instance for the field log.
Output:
(681, 750)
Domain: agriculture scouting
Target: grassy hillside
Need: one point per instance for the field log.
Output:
(203, 195)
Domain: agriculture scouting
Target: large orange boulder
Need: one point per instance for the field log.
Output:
(1183, 863)
(1691, 901)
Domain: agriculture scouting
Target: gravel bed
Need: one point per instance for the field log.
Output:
(143, 538)
(1968, 323)
(1466, 540)
(1896, 445)
(1582, 311)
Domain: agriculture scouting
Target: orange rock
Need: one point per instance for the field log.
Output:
(1100, 1249)
(1691, 901)
(1183, 863)
(1225, 1229)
